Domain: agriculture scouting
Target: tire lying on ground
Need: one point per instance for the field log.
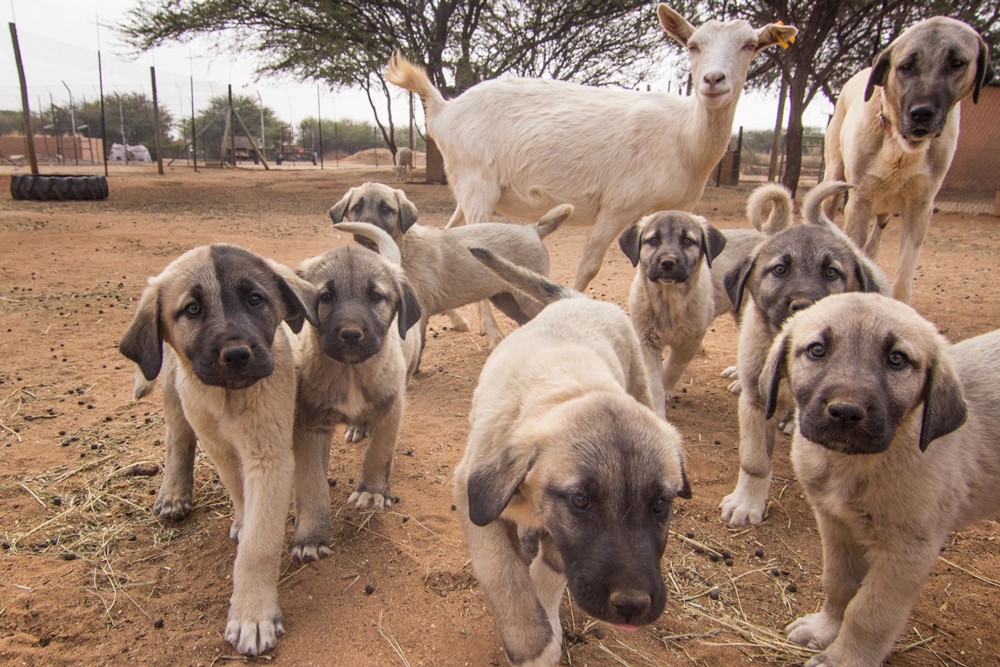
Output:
(58, 187)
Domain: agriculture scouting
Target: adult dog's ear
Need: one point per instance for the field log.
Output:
(984, 70)
(338, 210)
(944, 405)
(712, 242)
(736, 281)
(298, 296)
(408, 311)
(494, 481)
(880, 71)
(143, 341)
(629, 243)
(407, 211)
(775, 369)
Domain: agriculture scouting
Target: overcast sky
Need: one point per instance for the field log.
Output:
(60, 39)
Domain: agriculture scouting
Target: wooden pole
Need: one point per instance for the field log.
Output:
(772, 167)
(249, 138)
(194, 135)
(232, 129)
(156, 124)
(104, 132)
(319, 127)
(29, 136)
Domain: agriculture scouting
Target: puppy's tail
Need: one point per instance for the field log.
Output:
(141, 386)
(813, 212)
(535, 285)
(550, 221)
(386, 245)
(769, 208)
(414, 78)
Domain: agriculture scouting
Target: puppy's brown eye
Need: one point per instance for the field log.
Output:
(653, 241)
(661, 506)
(958, 64)
(687, 241)
(326, 296)
(580, 501)
(376, 297)
(831, 273)
(255, 299)
(897, 359)
(816, 351)
(779, 270)
(192, 309)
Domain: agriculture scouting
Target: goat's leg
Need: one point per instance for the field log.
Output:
(606, 229)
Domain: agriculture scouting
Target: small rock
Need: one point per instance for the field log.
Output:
(791, 588)
(68, 555)
(759, 553)
(158, 624)
(369, 589)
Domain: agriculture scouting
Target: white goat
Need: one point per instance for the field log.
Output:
(404, 164)
(520, 146)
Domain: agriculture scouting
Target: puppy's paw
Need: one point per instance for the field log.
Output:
(255, 634)
(236, 530)
(307, 551)
(731, 372)
(355, 433)
(494, 337)
(550, 656)
(458, 323)
(741, 508)
(173, 507)
(815, 631)
(823, 660)
(363, 499)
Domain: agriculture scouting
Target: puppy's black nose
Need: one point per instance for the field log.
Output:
(799, 304)
(922, 114)
(845, 413)
(351, 335)
(630, 604)
(667, 264)
(236, 355)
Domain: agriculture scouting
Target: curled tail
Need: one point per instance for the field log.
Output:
(535, 285)
(414, 78)
(550, 221)
(813, 212)
(386, 244)
(769, 208)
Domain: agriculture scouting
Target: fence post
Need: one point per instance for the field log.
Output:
(156, 124)
(29, 136)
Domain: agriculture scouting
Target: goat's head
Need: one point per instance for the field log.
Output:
(721, 52)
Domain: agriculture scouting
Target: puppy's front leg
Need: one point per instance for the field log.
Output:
(844, 567)
(377, 467)
(747, 502)
(174, 499)
(653, 366)
(523, 622)
(878, 611)
(254, 615)
(311, 538)
(677, 362)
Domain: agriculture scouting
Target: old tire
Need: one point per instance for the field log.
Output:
(58, 187)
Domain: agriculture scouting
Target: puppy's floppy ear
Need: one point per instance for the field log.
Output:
(867, 276)
(984, 70)
(493, 482)
(712, 242)
(685, 490)
(629, 243)
(408, 311)
(338, 210)
(736, 280)
(407, 211)
(944, 405)
(298, 295)
(775, 368)
(143, 341)
(880, 71)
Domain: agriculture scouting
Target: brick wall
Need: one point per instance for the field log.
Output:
(977, 161)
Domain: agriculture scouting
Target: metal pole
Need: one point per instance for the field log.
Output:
(121, 124)
(156, 124)
(72, 121)
(104, 133)
(232, 129)
(263, 144)
(319, 127)
(194, 134)
(29, 137)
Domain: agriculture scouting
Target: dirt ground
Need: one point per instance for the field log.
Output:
(88, 576)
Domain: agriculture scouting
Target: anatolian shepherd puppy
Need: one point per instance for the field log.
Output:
(671, 302)
(352, 370)
(437, 261)
(896, 446)
(789, 271)
(229, 383)
(894, 131)
(569, 475)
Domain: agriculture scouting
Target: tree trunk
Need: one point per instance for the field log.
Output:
(793, 137)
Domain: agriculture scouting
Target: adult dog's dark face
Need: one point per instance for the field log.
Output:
(379, 205)
(858, 365)
(603, 487)
(671, 245)
(359, 295)
(796, 267)
(219, 307)
(926, 71)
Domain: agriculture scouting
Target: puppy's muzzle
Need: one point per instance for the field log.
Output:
(666, 270)
(233, 365)
(922, 122)
(847, 424)
(633, 606)
(350, 342)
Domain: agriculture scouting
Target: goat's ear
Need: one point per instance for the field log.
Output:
(984, 70)
(774, 33)
(299, 297)
(408, 311)
(944, 405)
(674, 24)
(407, 211)
(713, 242)
(143, 341)
(338, 210)
(735, 282)
(775, 368)
(493, 482)
(629, 243)
(880, 71)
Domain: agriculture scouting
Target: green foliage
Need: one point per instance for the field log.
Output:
(345, 137)
(128, 112)
(210, 124)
